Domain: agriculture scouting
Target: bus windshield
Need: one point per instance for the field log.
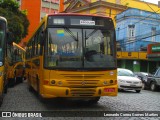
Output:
(2, 37)
(79, 48)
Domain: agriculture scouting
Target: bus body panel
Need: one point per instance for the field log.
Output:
(1, 79)
(34, 71)
(80, 83)
(55, 91)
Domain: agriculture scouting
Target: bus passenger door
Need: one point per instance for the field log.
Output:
(35, 72)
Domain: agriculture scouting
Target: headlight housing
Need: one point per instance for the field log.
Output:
(122, 81)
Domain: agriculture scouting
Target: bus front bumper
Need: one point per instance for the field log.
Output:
(55, 91)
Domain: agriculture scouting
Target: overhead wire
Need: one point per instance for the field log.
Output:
(143, 36)
(149, 34)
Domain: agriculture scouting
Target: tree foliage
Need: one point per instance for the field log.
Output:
(17, 20)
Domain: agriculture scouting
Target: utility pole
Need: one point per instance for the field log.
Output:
(159, 4)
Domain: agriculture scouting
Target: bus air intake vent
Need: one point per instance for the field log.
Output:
(82, 76)
(82, 83)
(82, 92)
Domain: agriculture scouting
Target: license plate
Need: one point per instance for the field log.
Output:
(109, 89)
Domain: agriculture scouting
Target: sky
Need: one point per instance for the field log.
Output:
(152, 1)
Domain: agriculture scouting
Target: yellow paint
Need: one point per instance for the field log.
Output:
(56, 90)
(135, 4)
(93, 1)
(1, 79)
(93, 11)
(107, 12)
(132, 55)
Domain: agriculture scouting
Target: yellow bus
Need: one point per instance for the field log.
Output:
(3, 68)
(16, 68)
(73, 56)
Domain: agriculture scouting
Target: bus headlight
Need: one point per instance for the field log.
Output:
(59, 83)
(53, 82)
(105, 83)
(111, 81)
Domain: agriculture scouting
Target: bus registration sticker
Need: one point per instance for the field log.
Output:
(87, 22)
(109, 89)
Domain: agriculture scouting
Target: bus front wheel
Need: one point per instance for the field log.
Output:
(1, 100)
(94, 100)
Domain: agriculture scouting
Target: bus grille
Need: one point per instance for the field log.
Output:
(82, 83)
(82, 92)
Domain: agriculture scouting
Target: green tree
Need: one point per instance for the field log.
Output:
(17, 20)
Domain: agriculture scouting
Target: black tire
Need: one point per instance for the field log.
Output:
(120, 90)
(19, 80)
(138, 91)
(30, 88)
(145, 87)
(11, 82)
(153, 86)
(6, 88)
(94, 100)
(42, 100)
(1, 100)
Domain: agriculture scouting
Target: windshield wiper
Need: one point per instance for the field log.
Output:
(71, 34)
(95, 30)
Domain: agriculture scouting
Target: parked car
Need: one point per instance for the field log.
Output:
(142, 76)
(153, 81)
(128, 81)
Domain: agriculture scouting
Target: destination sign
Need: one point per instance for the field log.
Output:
(87, 22)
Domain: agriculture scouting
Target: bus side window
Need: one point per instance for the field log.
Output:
(41, 39)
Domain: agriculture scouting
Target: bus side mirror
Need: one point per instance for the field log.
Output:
(10, 37)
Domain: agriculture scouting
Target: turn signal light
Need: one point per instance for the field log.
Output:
(105, 83)
(59, 83)
(46, 82)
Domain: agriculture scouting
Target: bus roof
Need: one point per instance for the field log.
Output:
(77, 14)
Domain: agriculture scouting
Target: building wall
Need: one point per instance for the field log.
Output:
(36, 10)
(134, 4)
(33, 15)
(146, 26)
(49, 6)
